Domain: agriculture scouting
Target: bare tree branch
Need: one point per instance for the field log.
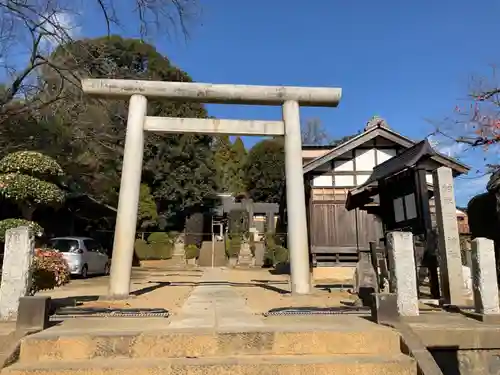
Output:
(30, 30)
(475, 122)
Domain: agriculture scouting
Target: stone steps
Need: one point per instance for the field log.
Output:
(214, 333)
(179, 343)
(249, 365)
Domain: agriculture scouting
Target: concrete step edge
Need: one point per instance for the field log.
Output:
(184, 345)
(214, 361)
(50, 335)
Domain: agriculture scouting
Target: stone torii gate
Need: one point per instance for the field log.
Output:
(288, 97)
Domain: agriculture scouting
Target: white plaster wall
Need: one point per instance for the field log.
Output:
(365, 159)
(323, 181)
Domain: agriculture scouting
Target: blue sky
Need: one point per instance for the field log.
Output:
(405, 61)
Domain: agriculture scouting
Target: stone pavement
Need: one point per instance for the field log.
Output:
(214, 304)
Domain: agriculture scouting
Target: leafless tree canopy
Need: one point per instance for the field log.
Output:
(475, 122)
(31, 29)
(314, 134)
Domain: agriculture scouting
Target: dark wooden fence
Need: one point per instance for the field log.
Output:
(337, 234)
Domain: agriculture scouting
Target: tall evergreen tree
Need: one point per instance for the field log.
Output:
(179, 169)
(239, 159)
(265, 171)
(223, 163)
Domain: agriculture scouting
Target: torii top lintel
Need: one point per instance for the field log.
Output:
(215, 93)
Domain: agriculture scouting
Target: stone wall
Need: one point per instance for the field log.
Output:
(468, 362)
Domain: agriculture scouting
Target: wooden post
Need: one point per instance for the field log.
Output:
(430, 256)
(374, 259)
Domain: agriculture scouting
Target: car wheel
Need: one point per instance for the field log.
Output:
(85, 272)
(106, 269)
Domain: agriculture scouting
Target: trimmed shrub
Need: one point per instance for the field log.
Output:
(161, 245)
(143, 250)
(191, 251)
(14, 223)
(281, 255)
(50, 270)
(275, 252)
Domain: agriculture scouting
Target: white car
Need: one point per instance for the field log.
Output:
(84, 255)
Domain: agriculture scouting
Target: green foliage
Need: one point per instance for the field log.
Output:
(160, 238)
(230, 161)
(178, 168)
(238, 224)
(25, 189)
(265, 171)
(194, 229)
(223, 161)
(237, 231)
(14, 223)
(49, 270)
(23, 181)
(162, 244)
(142, 249)
(159, 245)
(147, 213)
(281, 255)
(239, 156)
(31, 163)
(191, 251)
(275, 252)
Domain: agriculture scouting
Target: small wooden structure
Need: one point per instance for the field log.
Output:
(336, 233)
(403, 201)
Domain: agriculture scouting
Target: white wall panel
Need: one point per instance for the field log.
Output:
(429, 179)
(323, 181)
(344, 181)
(361, 179)
(365, 159)
(343, 165)
(384, 155)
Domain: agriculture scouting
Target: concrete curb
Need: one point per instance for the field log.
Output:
(415, 348)
(10, 347)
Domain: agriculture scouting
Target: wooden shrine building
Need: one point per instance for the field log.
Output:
(333, 177)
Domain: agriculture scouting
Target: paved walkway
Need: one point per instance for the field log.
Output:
(214, 305)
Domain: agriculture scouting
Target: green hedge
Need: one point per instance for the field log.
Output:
(159, 245)
(191, 251)
(275, 252)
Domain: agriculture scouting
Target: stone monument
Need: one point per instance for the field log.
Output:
(403, 278)
(448, 242)
(484, 278)
(16, 270)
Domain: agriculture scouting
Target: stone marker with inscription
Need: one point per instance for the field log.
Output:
(403, 277)
(452, 283)
(484, 277)
(16, 270)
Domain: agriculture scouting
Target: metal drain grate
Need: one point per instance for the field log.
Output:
(319, 311)
(71, 313)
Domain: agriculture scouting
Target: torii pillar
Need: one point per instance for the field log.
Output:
(288, 97)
